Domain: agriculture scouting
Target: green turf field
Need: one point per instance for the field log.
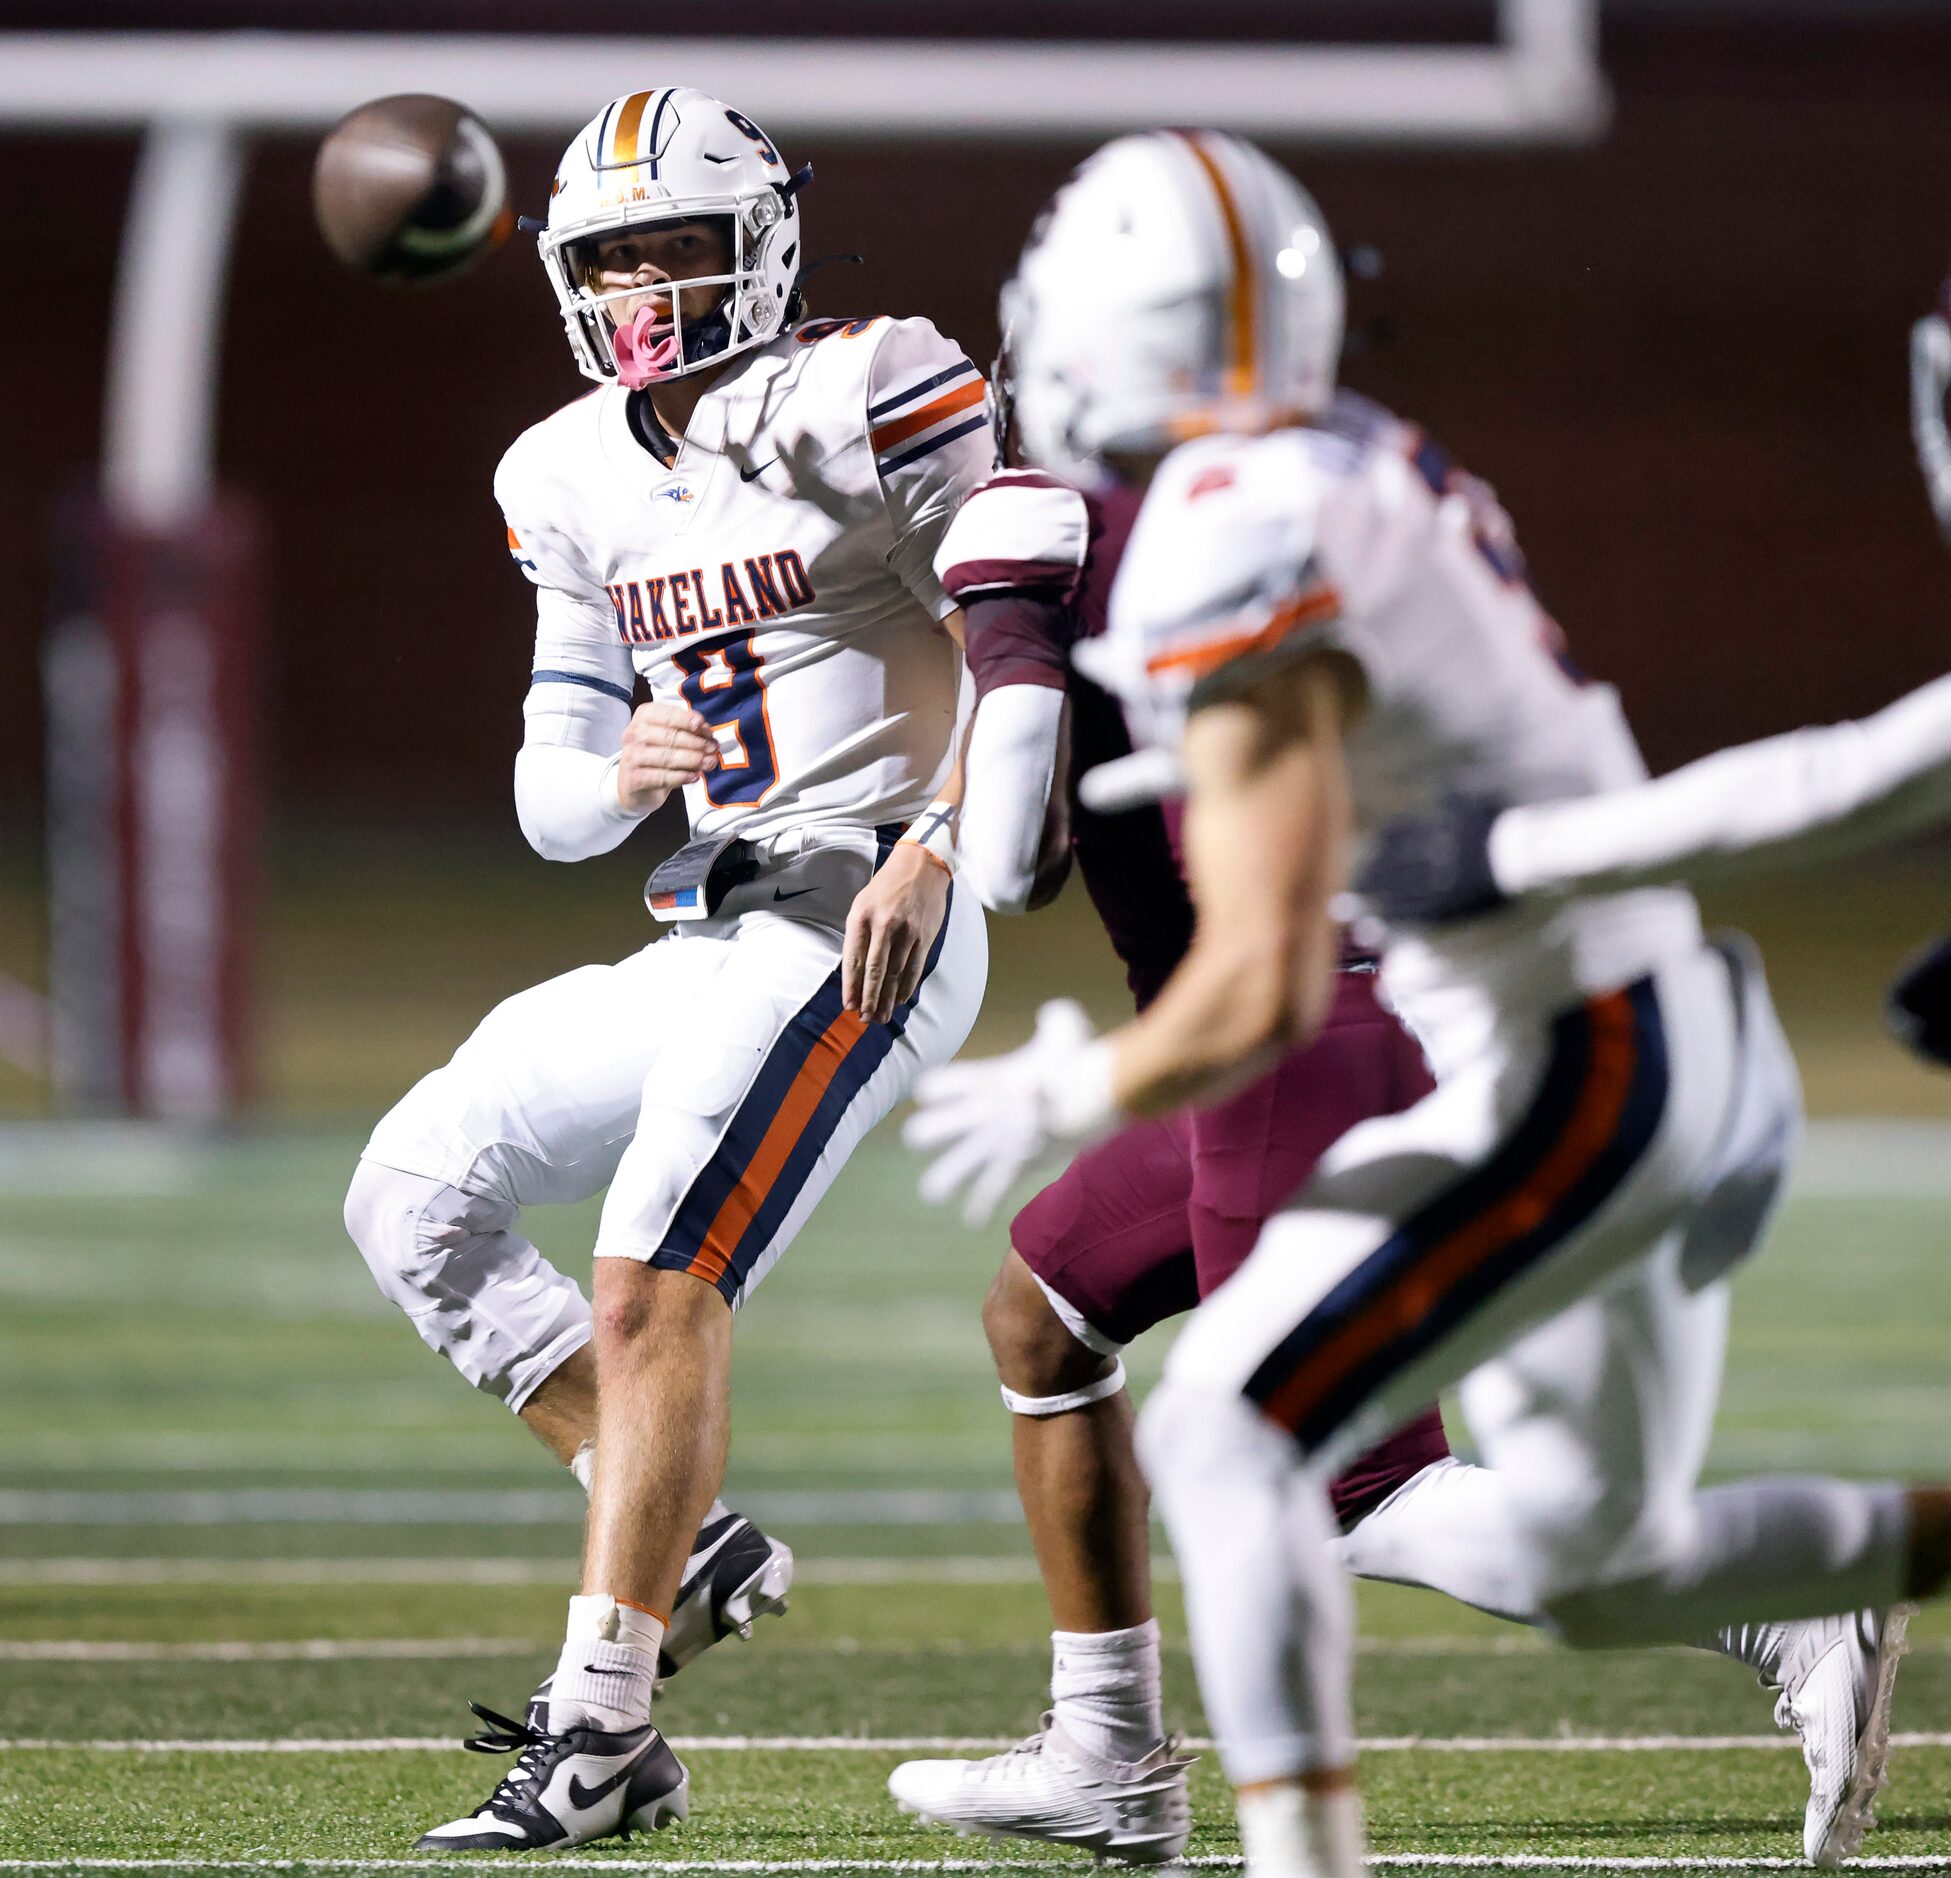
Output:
(382, 947)
(241, 1507)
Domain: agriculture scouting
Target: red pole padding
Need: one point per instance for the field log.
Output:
(160, 849)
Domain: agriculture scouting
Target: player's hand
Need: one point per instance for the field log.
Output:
(891, 928)
(1432, 868)
(996, 1117)
(666, 746)
(1920, 1004)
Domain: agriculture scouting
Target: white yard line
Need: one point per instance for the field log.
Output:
(95, 1570)
(960, 1744)
(302, 1650)
(81, 1572)
(439, 1649)
(783, 1867)
(462, 1506)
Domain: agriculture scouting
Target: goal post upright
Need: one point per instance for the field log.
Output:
(149, 683)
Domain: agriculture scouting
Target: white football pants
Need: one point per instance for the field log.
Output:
(711, 1081)
(1550, 1228)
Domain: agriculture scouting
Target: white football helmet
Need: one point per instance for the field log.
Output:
(674, 155)
(1181, 282)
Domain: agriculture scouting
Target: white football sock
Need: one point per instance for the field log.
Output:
(583, 1465)
(608, 1665)
(1104, 1686)
(1270, 1612)
(1286, 1833)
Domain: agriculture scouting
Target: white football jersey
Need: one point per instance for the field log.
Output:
(1360, 535)
(777, 575)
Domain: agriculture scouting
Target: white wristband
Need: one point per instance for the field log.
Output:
(933, 831)
(609, 800)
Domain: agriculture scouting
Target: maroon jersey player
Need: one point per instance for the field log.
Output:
(1141, 1226)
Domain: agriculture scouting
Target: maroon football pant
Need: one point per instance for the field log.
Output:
(1144, 1225)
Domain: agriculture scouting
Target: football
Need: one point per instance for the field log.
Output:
(410, 189)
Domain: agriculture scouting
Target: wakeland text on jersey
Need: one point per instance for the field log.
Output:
(677, 605)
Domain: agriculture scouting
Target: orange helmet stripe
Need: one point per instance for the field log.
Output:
(629, 121)
(1243, 305)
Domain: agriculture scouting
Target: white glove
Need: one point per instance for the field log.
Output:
(996, 1117)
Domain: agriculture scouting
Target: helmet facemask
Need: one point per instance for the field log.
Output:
(660, 340)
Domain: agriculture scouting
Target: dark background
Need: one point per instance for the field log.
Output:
(1678, 354)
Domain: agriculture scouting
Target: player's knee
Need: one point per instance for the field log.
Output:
(383, 1209)
(421, 1238)
(1035, 1351)
(1190, 1432)
(640, 1308)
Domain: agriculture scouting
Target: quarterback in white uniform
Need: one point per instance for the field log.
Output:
(741, 519)
(1316, 629)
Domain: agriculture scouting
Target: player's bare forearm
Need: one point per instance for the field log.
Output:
(1266, 839)
(891, 928)
(666, 746)
(892, 924)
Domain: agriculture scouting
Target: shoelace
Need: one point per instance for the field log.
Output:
(504, 1735)
(1001, 1764)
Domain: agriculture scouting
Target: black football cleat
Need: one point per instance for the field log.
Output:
(567, 1789)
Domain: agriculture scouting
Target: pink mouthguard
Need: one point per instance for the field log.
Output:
(639, 360)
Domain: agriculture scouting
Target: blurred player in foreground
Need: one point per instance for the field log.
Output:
(1141, 1226)
(1794, 800)
(744, 516)
(1318, 626)
(1138, 1228)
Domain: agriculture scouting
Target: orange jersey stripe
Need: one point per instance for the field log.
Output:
(721, 1239)
(629, 121)
(514, 541)
(900, 429)
(1308, 609)
(1242, 326)
(1592, 1124)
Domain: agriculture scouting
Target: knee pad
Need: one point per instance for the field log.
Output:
(475, 1291)
(406, 1227)
(1039, 1406)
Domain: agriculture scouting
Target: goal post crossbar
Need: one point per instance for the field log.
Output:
(1538, 83)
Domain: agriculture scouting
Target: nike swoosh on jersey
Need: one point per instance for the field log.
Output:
(752, 475)
(780, 894)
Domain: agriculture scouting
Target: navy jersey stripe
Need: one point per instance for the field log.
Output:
(900, 398)
(1507, 1170)
(867, 1055)
(934, 443)
(618, 692)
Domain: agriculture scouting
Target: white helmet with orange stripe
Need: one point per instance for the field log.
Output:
(1181, 282)
(663, 156)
